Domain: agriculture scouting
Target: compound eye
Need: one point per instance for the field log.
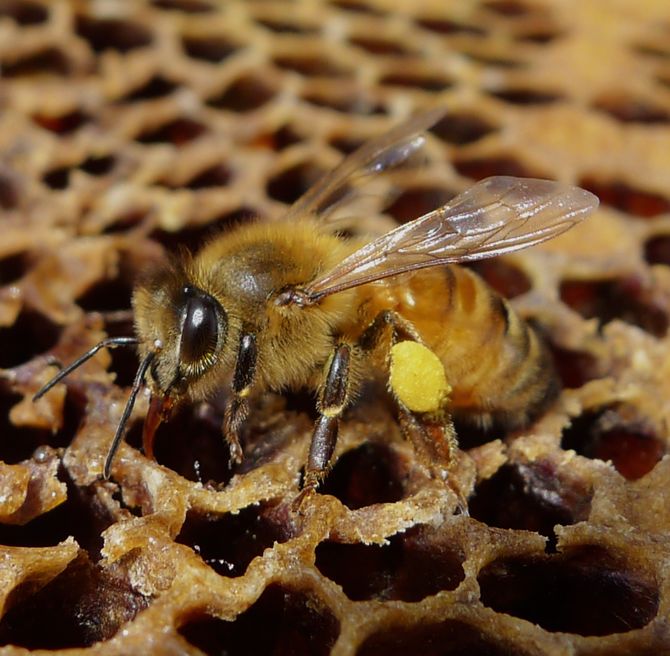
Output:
(200, 329)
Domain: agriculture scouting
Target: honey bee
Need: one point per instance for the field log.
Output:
(288, 304)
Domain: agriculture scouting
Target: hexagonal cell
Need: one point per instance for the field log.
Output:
(311, 65)
(586, 590)
(483, 167)
(155, 87)
(631, 445)
(628, 199)
(574, 367)
(49, 61)
(446, 26)
(417, 201)
(657, 250)
(19, 442)
(31, 334)
(526, 96)
(462, 128)
(10, 195)
(505, 278)
(191, 444)
(177, 132)
(112, 33)
(212, 49)
(245, 94)
(288, 185)
(63, 124)
(81, 606)
(282, 621)
(14, 267)
(447, 638)
(628, 299)
(533, 497)
(423, 81)
(24, 12)
(228, 543)
(412, 566)
(370, 474)
(633, 110)
(82, 516)
(185, 6)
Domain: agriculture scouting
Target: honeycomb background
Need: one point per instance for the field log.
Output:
(130, 127)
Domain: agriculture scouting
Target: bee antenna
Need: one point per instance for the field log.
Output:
(110, 342)
(137, 383)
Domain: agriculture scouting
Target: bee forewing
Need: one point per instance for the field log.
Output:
(387, 151)
(497, 215)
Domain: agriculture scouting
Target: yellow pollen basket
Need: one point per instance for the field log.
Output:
(417, 377)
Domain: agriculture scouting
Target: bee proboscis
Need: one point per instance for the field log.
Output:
(290, 303)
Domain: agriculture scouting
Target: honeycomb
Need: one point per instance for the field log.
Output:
(129, 129)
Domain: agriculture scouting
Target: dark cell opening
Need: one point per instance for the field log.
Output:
(185, 6)
(23, 12)
(506, 279)
(108, 295)
(286, 27)
(526, 96)
(177, 132)
(50, 61)
(218, 175)
(65, 124)
(284, 137)
(461, 129)
(290, 622)
(627, 299)
(370, 474)
(497, 60)
(575, 368)
(31, 334)
(244, 95)
(347, 104)
(424, 81)
(448, 638)
(9, 192)
(112, 34)
(18, 443)
(530, 497)
(627, 199)
(191, 444)
(539, 35)
(311, 66)
(657, 250)
(230, 542)
(156, 87)
(511, 8)
(632, 447)
(481, 168)
(378, 45)
(98, 165)
(58, 179)
(415, 202)
(633, 110)
(13, 267)
(211, 49)
(83, 605)
(357, 7)
(411, 567)
(446, 26)
(582, 590)
(288, 185)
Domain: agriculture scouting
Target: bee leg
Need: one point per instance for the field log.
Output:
(388, 320)
(237, 408)
(333, 397)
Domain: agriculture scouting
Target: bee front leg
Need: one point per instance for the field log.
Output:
(333, 396)
(237, 408)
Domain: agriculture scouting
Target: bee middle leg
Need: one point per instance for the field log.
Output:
(237, 409)
(333, 396)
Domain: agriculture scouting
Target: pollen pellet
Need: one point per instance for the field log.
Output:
(417, 377)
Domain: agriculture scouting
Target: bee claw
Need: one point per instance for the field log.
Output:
(297, 506)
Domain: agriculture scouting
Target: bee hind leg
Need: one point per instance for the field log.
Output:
(333, 396)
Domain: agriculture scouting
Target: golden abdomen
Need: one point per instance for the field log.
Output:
(499, 369)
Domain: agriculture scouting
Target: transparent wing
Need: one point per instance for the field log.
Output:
(387, 151)
(497, 215)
